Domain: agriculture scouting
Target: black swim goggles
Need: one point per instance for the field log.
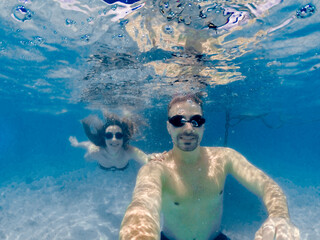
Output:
(180, 121)
(109, 135)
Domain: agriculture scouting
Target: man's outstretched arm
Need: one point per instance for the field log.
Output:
(278, 224)
(142, 218)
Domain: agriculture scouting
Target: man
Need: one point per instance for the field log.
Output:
(187, 186)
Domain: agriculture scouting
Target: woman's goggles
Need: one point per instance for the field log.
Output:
(180, 121)
(109, 135)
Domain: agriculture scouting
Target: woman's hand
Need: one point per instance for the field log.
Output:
(159, 157)
(74, 142)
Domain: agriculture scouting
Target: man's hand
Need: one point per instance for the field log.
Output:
(276, 228)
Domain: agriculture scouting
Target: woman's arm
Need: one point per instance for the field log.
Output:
(87, 145)
(142, 218)
(143, 158)
(74, 142)
(138, 155)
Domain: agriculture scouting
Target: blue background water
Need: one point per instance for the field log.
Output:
(48, 190)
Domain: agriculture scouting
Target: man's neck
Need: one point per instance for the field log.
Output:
(186, 157)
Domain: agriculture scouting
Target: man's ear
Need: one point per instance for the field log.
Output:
(168, 127)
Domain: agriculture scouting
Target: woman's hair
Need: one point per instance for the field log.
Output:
(95, 129)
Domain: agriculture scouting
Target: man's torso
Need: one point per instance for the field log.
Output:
(192, 196)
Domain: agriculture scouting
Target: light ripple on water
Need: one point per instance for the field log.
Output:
(230, 35)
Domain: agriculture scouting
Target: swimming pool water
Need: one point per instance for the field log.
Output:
(62, 60)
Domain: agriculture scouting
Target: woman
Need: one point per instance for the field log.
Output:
(109, 142)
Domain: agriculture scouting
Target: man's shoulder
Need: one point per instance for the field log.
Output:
(218, 149)
(160, 162)
(221, 152)
(155, 166)
(152, 169)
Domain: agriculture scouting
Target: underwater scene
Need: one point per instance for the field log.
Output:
(256, 64)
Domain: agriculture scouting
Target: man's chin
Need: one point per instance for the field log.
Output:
(187, 147)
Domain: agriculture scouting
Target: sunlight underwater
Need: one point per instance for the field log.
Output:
(93, 59)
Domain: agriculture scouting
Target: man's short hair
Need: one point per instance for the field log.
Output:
(194, 97)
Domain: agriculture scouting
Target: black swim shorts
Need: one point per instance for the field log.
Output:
(221, 236)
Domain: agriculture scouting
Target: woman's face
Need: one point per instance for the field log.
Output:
(114, 138)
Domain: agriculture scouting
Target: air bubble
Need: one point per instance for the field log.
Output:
(2, 46)
(21, 13)
(24, 1)
(70, 21)
(171, 9)
(180, 19)
(124, 22)
(85, 38)
(187, 20)
(90, 19)
(171, 14)
(38, 40)
(211, 9)
(168, 29)
(65, 40)
(306, 11)
(35, 42)
(202, 15)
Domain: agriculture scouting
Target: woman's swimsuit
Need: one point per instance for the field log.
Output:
(221, 236)
(113, 168)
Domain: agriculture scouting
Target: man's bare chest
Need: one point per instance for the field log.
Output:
(193, 186)
(192, 198)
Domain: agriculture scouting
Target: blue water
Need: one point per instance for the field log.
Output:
(62, 60)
